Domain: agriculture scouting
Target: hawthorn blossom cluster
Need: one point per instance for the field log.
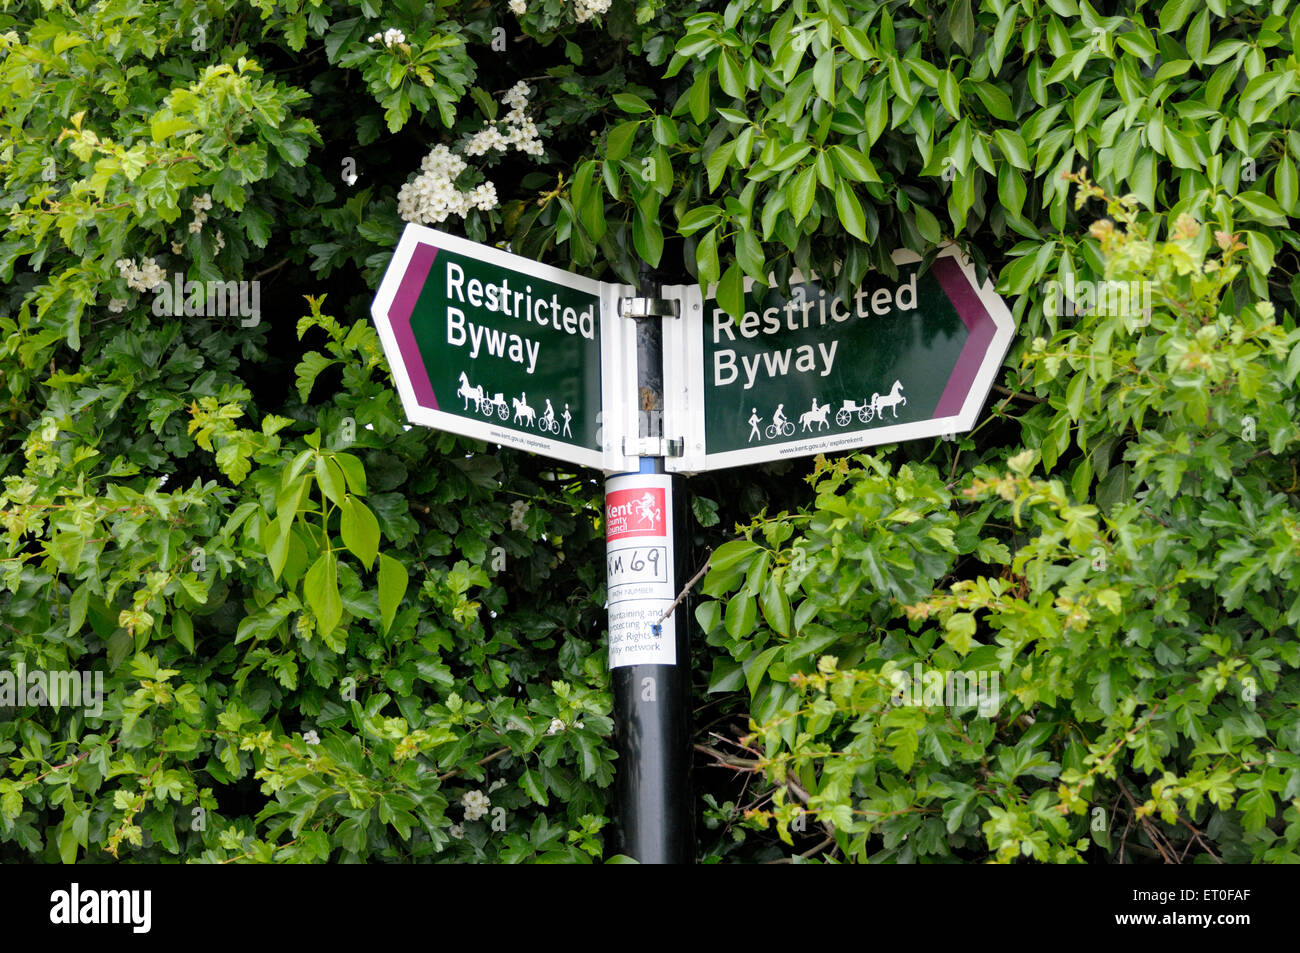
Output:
(390, 37)
(199, 207)
(521, 132)
(148, 275)
(433, 196)
(557, 725)
(518, 510)
(476, 804)
(583, 10)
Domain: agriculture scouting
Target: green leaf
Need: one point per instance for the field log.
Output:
(959, 632)
(731, 555)
(877, 113)
(698, 218)
(776, 606)
(1261, 208)
(360, 530)
(801, 193)
(716, 165)
(852, 164)
(1175, 13)
(329, 477)
(730, 77)
(393, 580)
(996, 101)
(1011, 188)
(756, 667)
(534, 787)
(731, 290)
(741, 615)
(705, 510)
(749, 253)
(354, 472)
(647, 237)
(950, 93)
(850, 211)
(961, 25)
(1286, 187)
(698, 101)
(77, 608)
(631, 103)
(727, 676)
(1013, 148)
(707, 267)
(321, 589)
(824, 77)
(1074, 395)
(183, 628)
(618, 142)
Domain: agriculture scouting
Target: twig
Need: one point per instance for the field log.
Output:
(805, 853)
(481, 761)
(1146, 824)
(266, 271)
(685, 589)
(722, 760)
(1021, 394)
(1196, 835)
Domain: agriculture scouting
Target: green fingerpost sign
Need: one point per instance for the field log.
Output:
(814, 373)
(494, 346)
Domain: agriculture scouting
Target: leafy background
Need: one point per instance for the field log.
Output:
(326, 637)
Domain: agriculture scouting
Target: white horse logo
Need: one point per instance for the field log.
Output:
(891, 401)
(469, 393)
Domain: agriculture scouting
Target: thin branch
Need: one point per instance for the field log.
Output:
(1146, 824)
(685, 589)
(1020, 394)
(266, 271)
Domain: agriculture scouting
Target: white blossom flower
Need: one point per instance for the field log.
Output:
(390, 37)
(476, 804)
(457, 831)
(584, 10)
(311, 737)
(433, 196)
(177, 248)
(556, 726)
(221, 241)
(116, 305)
(518, 7)
(202, 203)
(518, 510)
(147, 276)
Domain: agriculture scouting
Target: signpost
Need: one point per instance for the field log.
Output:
(815, 373)
(503, 349)
(498, 347)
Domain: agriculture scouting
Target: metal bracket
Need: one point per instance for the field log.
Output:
(649, 308)
(654, 446)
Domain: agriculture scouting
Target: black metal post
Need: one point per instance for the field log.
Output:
(653, 803)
